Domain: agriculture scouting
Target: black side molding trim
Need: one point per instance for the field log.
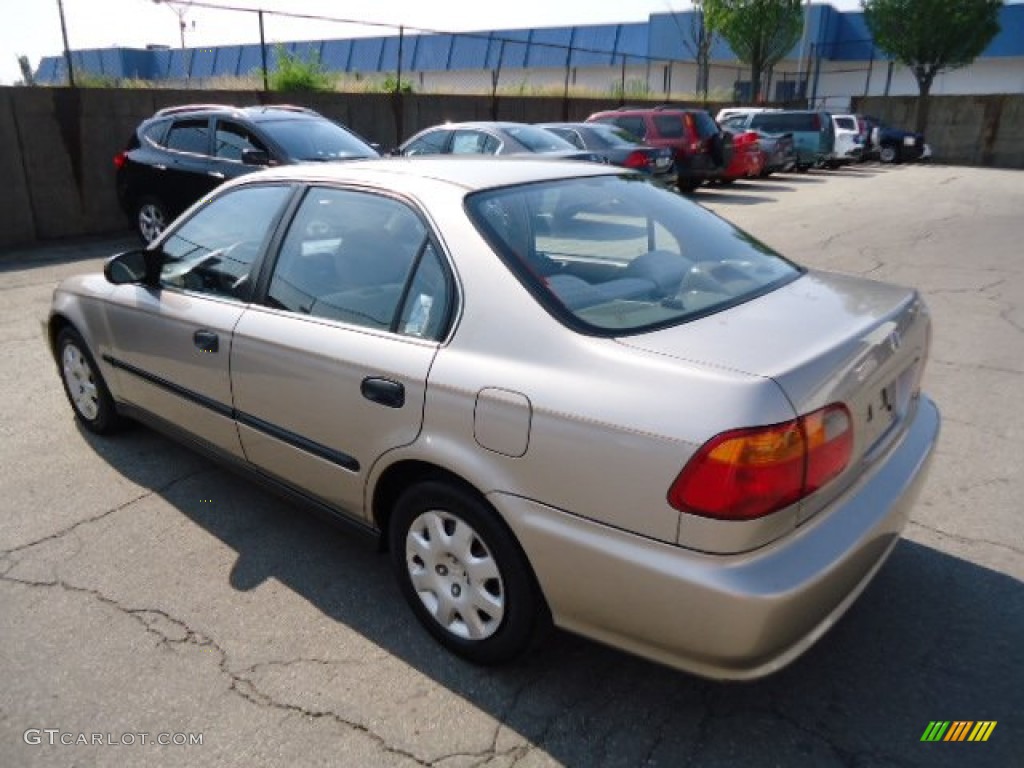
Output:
(206, 402)
(335, 457)
(298, 441)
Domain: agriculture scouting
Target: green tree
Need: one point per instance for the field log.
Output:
(760, 32)
(293, 73)
(932, 36)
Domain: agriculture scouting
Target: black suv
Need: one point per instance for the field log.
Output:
(702, 149)
(181, 153)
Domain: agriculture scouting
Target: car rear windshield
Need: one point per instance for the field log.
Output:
(537, 139)
(617, 255)
(316, 140)
(605, 136)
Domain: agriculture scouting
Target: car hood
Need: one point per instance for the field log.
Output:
(823, 338)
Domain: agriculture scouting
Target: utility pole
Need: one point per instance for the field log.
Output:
(67, 48)
(180, 9)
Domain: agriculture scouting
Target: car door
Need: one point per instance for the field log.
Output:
(189, 175)
(330, 373)
(230, 140)
(171, 342)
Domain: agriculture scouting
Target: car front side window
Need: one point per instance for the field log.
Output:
(214, 250)
(230, 140)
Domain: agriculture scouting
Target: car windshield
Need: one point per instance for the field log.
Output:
(613, 136)
(537, 139)
(616, 255)
(316, 140)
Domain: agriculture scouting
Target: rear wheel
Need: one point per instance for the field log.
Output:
(688, 186)
(151, 219)
(84, 386)
(463, 573)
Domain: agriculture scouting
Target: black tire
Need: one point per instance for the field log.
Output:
(688, 186)
(801, 168)
(437, 530)
(84, 386)
(151, 219)
(889, 154)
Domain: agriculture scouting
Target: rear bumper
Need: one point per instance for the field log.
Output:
(725, 616)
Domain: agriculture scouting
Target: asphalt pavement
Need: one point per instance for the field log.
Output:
(165, 611)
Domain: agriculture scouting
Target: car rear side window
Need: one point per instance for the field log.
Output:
(432, 143)
(190, 136)
(846, 123)
(466, 142)
(669, 126)
(362, 259)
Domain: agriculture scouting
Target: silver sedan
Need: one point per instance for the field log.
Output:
(555, 392)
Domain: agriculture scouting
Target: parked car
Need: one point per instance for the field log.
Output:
(701, 148)
(812, 132)
(619, 147)
(895, 145)
(492, 138)
(748, 159)
(778, 149)
(849, 145)
(181, 153)
(726, 112)
(555, 391)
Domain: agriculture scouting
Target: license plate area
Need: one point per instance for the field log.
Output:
(887, 407)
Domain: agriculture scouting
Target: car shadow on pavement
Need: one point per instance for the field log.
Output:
(933, 638)
(740, 194)
(18, 259)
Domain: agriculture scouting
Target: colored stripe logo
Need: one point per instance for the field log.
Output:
(958, 730)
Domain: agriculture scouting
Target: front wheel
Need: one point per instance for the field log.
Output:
(889, 154)
(463, 573)
(84, 386)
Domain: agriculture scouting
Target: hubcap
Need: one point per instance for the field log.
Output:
(81, 383)
(455, 575)
(151, 222)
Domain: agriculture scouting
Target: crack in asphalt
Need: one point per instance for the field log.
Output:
(171, 631)
(967, 539)
(975, 367)
(106, 513)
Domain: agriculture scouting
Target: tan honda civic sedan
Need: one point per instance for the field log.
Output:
(557, 393)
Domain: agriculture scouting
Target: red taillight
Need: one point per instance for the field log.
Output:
(119, 160)
(636, 159)
(748, 473)
(816, 122)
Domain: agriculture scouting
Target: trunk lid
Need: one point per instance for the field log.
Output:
(824, 338)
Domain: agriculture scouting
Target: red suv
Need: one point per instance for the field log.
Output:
(702, 150)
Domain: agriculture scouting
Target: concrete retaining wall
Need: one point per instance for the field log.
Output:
(57, 144)
(962, 130)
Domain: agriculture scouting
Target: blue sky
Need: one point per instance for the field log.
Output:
(32, 27)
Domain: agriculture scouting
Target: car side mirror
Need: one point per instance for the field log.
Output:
(140, 266)
(255, 157)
